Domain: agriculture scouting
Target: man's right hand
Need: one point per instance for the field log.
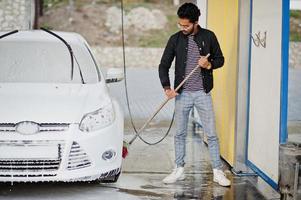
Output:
(170, 93)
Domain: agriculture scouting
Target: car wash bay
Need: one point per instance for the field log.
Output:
(242, 108)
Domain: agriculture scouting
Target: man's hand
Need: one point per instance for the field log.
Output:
(204, 63)
(170, 93)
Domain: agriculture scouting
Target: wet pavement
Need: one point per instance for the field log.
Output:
(152, 163)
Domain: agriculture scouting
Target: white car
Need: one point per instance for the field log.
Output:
(57, 119)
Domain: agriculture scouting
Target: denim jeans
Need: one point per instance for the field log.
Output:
(203, 102)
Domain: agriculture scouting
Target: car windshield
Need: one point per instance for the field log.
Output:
(44, 62)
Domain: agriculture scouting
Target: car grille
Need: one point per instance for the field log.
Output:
(43, 127)
(29, 167)
(78, 158)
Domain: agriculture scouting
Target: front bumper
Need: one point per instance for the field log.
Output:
(78, 158)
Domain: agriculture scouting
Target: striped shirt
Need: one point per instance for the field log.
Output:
(195, 82)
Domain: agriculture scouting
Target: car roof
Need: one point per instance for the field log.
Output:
(42, 36)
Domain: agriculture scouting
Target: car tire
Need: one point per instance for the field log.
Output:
(111, 179)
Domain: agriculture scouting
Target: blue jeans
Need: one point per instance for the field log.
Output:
(203, 103)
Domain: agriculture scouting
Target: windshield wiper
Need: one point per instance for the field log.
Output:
(80, 71)
(70, 51)
(9, 33)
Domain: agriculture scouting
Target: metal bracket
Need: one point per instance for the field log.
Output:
(258, 40)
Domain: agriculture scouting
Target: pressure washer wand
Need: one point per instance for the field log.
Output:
(163, 104)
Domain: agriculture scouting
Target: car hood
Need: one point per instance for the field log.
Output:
(50, 103)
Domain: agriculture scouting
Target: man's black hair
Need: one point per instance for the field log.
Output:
(189, 11)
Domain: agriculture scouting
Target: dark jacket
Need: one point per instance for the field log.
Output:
(177, 47)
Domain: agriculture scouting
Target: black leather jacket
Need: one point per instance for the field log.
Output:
(177, 47)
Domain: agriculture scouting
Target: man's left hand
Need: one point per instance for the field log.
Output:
(204, 63)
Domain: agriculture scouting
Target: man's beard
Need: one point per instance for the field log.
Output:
(188, 32)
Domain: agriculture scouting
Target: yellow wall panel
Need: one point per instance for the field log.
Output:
(223, 21)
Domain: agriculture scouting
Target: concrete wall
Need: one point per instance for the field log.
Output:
(135, 57)
(16, 14)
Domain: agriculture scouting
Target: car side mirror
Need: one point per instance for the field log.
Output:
(114, 75)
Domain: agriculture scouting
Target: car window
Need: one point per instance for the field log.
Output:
(44, 62)
(88, 67)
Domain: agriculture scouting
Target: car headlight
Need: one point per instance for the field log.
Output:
(98, 119)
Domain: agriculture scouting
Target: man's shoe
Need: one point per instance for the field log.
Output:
(176, 175)
(220, 178)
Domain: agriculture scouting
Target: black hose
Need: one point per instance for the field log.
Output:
(126, 90)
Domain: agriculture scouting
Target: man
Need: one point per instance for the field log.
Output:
(190, 46)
